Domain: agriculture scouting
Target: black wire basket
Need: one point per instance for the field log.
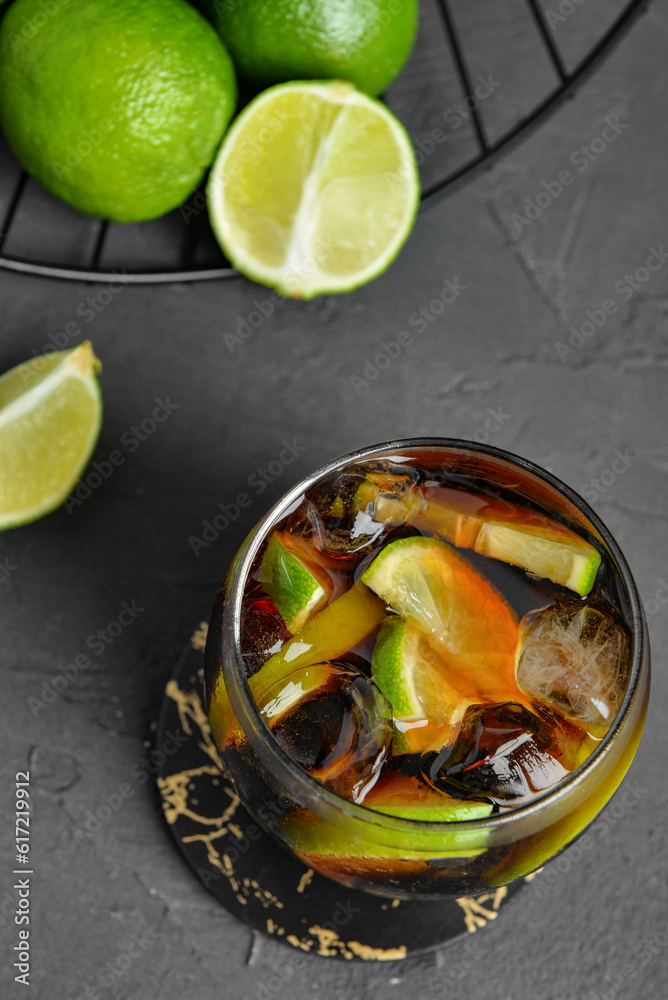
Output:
(483, 74)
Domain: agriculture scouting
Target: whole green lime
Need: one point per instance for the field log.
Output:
(116, 106)
(275, 41)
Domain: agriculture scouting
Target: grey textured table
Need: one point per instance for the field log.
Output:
(486, 366)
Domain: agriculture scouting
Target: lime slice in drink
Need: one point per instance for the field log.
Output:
(558, 554)
(297, 591)
(460, 612)
(493, 527)
(314, 190)
(315, 839)
(328, 635)
(396, 662)
(50, 418)
(426, 706)
(436, 813)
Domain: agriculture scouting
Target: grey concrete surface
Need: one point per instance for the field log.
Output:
(598, 929)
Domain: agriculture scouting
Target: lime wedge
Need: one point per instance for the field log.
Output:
(314, 189)
(558, 555)
(285, 694)
(50, 418)
(438, 814)
(394, 665)
(313, 838)
(427, 708)
(295, 589)
(329, 634)
(493, 527)
(461, 613)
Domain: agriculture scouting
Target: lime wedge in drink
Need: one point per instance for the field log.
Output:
(297, 591)
(457, 609)
(426, 705)
(314, 189)
(329, 634)
(313, 838)
(436, 813)
(396, 662)
(558, 555)
(493, 527)
(50, 418)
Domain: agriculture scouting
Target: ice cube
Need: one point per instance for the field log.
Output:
(574, 657)
(504, 752)
(262, 632)
(337, 517)
(333, 721)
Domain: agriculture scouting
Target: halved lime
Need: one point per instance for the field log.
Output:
(50, 418)
(297, 591)
(314, 190)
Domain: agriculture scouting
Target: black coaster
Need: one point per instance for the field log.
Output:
(254, 878)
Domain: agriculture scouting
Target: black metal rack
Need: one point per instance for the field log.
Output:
(541, 55)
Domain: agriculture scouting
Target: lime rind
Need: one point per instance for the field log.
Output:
(567, 561)
(392, 662)
(438, 814)
(48, 432)
(292, 587)
(315, 837)
(299, 275)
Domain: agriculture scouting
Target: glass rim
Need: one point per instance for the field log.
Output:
(301, 778)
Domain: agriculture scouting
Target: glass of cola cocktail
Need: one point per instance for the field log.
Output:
(427, 669)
